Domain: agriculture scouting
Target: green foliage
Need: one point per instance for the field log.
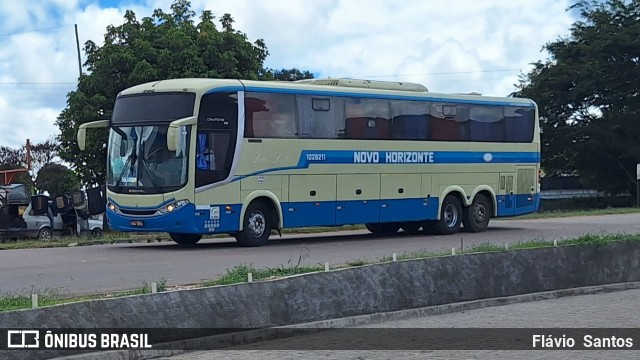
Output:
(57, 179)
(588, 97)
(161, 46)
(289, 75)
(41, 154)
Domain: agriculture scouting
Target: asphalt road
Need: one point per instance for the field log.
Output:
(103, 268)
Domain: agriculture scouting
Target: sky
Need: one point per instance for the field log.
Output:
(447, 45)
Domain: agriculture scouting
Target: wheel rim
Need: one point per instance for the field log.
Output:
(480, 213)
(450, 215)
(45, 236)
(257, 224)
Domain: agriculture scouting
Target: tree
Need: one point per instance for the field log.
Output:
(57, 179)
(588, 96)
(162, 46)
(289, 75)
(41, 154)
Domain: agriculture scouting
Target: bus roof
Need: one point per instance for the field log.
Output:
(327, 88)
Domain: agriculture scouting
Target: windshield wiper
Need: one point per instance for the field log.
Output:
(144, 163)
(129, 164)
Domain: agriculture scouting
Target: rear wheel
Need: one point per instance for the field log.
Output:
(450, 216)
(257, 224)
(45, 234)
(383, 228)
(476, 216)
(185, 239)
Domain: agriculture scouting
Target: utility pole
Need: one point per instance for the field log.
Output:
(78, 48)
(28, 148)
(638, 185)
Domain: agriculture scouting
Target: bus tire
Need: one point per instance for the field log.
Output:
(450, 216)
(475, 217)
(185, 239)
(383, 228)
(257, 225)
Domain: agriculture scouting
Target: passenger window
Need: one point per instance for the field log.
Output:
(447, 122)
(320, 118)
(409, 120)
(367, 119)
(270, 115)
(486, 123)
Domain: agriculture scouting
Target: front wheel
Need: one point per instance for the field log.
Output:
(450, 216)
(476, 216)
(185, 239)
(257, 225)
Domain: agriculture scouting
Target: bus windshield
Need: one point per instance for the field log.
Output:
(139, 161)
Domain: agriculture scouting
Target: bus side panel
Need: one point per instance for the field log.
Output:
(429, 199)
(401, 199)
(506, 196)
(211, 214)
(526, 190)
(312, 201)
(358, 199)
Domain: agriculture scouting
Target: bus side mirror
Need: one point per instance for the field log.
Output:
(82, 138)
(82, 131)
(172, 138)
(173, 132)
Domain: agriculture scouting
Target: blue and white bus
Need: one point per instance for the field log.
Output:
(193, 157)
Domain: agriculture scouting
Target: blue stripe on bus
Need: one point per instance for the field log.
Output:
(188, 219)
(308, 157)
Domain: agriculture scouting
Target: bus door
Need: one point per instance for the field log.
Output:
(506, 196)
(526, 189)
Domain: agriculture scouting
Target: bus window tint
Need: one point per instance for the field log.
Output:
(486, 123)
(320, 118)
(447, 122)
(409, 120)
(270, 115)
(519, 124)
(367, 119)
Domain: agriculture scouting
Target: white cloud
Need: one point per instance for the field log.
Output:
(449, 46)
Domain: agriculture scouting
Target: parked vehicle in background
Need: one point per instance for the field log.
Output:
(19, 220)
(43, 227)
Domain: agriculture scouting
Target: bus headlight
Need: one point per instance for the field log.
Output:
(113, 208)
(173, 206)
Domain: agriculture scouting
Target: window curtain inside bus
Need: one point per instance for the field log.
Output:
(201, 160)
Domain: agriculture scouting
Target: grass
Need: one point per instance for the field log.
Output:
(50, 297)
(239, 274)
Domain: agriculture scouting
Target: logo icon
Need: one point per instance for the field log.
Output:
(23, 339)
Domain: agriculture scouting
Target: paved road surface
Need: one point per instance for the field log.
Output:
(615, 309)
(105, 268)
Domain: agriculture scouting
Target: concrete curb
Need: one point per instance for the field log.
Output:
(222, 341)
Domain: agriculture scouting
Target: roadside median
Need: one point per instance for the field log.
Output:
(324, 295)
